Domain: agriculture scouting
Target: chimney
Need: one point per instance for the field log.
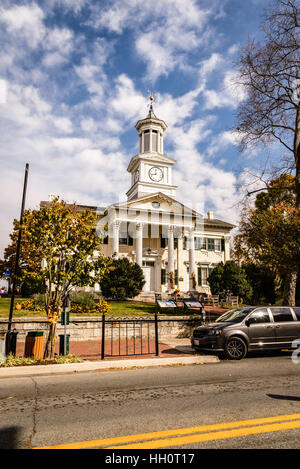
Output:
(210, 215)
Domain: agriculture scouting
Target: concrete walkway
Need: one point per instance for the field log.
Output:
(183, 354)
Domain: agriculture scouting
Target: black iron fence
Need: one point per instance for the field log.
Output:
(126, 337)
(120, 337)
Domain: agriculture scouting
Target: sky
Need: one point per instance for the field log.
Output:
(75, 78)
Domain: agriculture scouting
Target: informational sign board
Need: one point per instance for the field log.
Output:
(166, 304)
(192, 304)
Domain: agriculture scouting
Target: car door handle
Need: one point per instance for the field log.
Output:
(277, 327)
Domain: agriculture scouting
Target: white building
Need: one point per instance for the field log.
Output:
(175, 246)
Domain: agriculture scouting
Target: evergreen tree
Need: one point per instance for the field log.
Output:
(123, 280)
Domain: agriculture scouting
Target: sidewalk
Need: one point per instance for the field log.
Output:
(174, 353)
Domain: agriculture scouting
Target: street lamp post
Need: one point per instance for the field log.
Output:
(10, 345)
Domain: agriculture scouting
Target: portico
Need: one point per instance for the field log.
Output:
(162, 236)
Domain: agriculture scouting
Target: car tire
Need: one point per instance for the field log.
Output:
(235, 348)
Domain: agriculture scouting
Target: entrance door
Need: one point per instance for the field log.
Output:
(149, 276)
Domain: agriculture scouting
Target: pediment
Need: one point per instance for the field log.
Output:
(166, 204)
(154, 158)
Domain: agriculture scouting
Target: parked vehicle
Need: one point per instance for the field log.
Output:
(248, 329)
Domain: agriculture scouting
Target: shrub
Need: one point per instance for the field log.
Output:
(230, 277)
(85, 300)
(123, 280)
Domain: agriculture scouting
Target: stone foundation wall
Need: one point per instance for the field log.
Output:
(87, 328)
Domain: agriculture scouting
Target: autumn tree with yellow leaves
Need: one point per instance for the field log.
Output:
(60, 250)
(269, 233)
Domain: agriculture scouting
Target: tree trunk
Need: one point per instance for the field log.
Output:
(289, 288)
(50, 344)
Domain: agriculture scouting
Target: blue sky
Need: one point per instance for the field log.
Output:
(74, 76)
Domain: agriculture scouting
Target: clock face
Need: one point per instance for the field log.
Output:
(155, 174)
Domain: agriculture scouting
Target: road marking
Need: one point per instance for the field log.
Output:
(167, 438)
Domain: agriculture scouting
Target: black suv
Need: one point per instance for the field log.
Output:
(249, 329)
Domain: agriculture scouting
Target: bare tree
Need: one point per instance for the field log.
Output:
(270, 73)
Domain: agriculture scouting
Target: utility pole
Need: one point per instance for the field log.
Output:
(11, 336)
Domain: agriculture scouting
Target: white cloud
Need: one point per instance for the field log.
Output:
(3, 91)
(58, 45)
(125, 100)
(230, 94)
(25, 21)
(173, 28)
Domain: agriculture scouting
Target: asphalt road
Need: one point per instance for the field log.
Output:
(170, 407)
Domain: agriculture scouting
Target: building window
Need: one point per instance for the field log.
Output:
(154, 140)
(146, 140)
(148, 264)
(210, 244)
(217, 245)
(200, 243)
(203, 274)
(125, 240)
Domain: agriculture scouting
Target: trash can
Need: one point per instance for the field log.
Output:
(34, 344)
(11, 342)
(62, 339)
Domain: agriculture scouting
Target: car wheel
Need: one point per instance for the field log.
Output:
(235, 348)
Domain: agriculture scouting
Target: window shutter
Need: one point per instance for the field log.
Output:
(223, 244)
(163, 276)
(175, 243)
(130, 241)
(199, 276)
(162, 242)
(176, 277)
(185, 243)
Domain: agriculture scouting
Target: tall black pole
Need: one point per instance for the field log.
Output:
(18, 251)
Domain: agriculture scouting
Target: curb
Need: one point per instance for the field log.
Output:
(113, 365)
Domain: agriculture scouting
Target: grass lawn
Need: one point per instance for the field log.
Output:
(122, 308)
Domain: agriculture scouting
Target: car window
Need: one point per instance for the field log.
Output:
(282, 314)
(297, 312)
(235, 315)
(259, 316)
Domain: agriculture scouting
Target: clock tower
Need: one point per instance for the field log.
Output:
(151, 170)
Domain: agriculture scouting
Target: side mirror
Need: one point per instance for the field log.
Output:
(247, 322)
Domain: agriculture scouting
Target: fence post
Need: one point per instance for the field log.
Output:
(103, 337)
(156, 334)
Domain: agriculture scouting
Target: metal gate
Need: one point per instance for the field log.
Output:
(128, 337)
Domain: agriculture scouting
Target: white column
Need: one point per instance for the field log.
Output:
(139, 244)
(227, 248)
(171, 273)
(115, 239)
(192, 273)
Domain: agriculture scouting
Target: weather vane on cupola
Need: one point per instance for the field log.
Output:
(152, 99)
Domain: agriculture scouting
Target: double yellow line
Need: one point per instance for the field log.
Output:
(187, 436)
